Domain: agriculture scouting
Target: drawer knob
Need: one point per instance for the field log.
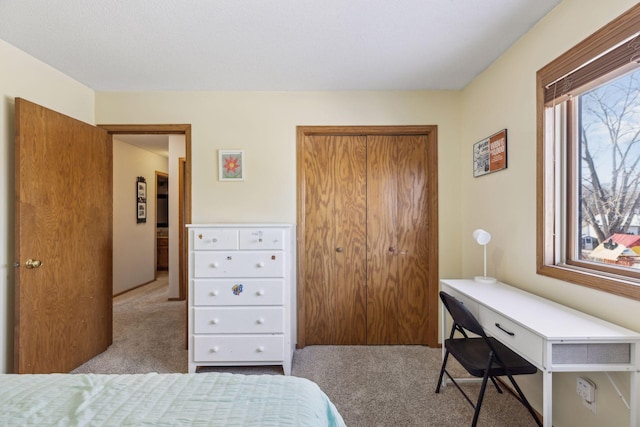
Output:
(260, 349)
(215, 264)
(213, 293)
(214, 321)
(214, 349)
(260, 321)
(260, 293)
(260, 264)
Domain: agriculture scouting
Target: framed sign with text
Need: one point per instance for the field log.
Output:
(490, 154)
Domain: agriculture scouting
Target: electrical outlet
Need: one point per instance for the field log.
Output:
(586, 389)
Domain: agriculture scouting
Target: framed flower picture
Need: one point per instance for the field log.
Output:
(231, 165)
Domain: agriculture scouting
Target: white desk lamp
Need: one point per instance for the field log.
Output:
(483, 237)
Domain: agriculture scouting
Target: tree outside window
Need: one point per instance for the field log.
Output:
(609, 154)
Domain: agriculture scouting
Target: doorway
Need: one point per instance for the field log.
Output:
(162, 221)
(184, 190)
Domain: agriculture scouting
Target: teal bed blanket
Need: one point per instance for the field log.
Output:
(205, 399)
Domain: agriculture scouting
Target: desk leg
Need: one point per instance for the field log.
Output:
(547, 399)
(635, 399)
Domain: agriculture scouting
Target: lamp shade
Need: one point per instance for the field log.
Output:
(481, 236)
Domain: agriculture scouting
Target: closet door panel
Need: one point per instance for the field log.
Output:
(350, 240)
(382, 245)
(334, 233)
(318, 257)
(412, 229)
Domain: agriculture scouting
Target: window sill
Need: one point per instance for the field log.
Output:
(607, 283)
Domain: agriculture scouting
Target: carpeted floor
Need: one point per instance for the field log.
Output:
(370, 385)
(148, 333)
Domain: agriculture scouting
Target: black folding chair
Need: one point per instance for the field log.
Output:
(481, 356)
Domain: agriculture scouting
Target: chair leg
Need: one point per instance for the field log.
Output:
(495, 383)
(442, 369)
(524, 400)
(476, 414)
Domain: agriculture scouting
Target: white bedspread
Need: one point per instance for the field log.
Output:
(206, 399)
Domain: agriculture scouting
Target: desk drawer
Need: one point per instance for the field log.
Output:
(248, 348)
(513, 335)
(226, 320)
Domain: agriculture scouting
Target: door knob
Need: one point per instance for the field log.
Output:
(33, 263)
(340, 249)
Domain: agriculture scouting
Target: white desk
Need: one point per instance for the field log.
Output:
(553, 337)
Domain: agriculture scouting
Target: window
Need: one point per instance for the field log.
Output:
(588, 173)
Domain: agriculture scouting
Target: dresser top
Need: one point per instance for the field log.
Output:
(240, 225)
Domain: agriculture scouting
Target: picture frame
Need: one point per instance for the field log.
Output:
(142, 212)
(142, 189)
(141, 200)
(231, 165)
(490, 154)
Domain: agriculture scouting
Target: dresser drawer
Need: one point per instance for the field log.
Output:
(522, 340)
(225, 320)
(261, 238)
(215, 239)
(249, 348)
(227, 292)
(238, 264)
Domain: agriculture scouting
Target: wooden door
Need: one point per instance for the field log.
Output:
(397, 239)
(393, 209)
(334, 262)
(63, 249)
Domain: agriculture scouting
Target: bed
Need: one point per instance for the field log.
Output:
(204, 399)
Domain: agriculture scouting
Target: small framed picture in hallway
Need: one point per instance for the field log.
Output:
(141, 199)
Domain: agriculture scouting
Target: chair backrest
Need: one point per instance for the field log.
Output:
(461, 314)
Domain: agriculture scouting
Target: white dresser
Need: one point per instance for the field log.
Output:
(241, 295)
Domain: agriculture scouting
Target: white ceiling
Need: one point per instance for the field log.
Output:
(274, 45)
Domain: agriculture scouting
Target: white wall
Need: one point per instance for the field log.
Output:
(25, 77)
(134, 244)
(264, 125)
(177, 150)
(504, 96)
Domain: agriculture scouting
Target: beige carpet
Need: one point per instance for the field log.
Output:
(370, 385)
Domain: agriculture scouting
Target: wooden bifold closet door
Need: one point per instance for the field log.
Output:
(367, 263)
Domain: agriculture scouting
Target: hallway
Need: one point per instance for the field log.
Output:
(148, 333)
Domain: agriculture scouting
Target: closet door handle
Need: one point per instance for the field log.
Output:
(340, 249)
